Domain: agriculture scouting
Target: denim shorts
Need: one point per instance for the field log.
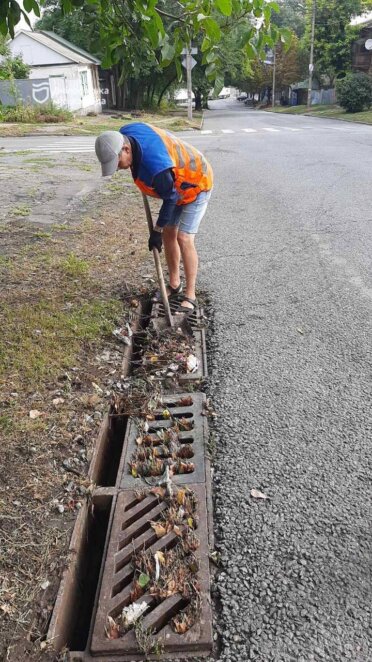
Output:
(188, 217)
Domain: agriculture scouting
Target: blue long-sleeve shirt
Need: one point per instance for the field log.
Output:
(163, 184)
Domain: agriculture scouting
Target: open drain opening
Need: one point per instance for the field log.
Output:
(111, 451)
(89, 564)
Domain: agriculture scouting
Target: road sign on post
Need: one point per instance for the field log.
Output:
(193, 51)
(193, 62)
(189, 63)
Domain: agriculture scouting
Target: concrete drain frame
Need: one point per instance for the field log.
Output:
(92, 561)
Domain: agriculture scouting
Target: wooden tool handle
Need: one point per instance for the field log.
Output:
(159, 270)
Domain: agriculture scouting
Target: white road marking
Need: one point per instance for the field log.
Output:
(272, 130)
(204, 132)
(250, 130)
(58, 151)
(227, 131)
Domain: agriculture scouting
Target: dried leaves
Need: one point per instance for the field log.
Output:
(161, 449)
(169, 571)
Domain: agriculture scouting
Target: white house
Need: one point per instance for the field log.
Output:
(72, 73)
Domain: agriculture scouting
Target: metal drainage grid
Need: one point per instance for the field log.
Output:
(196, 438)
(196, 322)
(131, 532)
(195, 319)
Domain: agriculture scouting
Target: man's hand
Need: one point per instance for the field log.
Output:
(155, 240)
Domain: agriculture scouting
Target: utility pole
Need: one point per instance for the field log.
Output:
(274, 80)
(189, 86)
(311, 65)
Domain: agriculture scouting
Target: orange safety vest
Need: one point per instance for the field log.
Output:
(189, 166)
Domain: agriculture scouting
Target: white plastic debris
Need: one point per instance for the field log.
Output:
(157, 567)
(120, 334)
(192, 363)
(35, 413)
(58, 401)
(256, 494)
(44, 585)
(132, 613)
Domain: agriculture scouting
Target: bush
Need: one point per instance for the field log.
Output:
(354, 92)
(35, 114)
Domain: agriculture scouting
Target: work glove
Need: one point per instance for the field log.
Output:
(155, 240)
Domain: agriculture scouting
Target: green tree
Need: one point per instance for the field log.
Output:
(292, 15)
(333, 35)
(289, 64)
(80, 26)
(11, 67)
(128, 27)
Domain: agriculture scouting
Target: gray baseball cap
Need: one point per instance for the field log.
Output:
(108, 147)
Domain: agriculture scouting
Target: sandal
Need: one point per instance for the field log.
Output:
(174, 293)
(185, 310)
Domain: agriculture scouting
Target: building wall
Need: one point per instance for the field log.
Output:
(34, 53)
(362, 59)
(72, 86)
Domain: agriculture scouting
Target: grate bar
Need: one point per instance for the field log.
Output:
(140, 525)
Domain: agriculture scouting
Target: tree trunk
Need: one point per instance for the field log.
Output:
(165, 89)
(198, 100)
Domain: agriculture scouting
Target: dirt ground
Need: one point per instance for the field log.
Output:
(73, 264)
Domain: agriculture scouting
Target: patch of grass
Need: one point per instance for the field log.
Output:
(21, 210)
(4, 261)
(174, 120)
(83, 166)
(46, 160)
(25, 113)
(331, 111)
(6, 422)
(74, 266)
(21, 152)
(43, 339)
(115, 188)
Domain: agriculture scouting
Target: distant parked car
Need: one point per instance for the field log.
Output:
(242, 96)
(225, 93)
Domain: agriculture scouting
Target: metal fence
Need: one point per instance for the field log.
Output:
(35, 91)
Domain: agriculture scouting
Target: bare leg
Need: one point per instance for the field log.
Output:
(172, 254)
(190, 261)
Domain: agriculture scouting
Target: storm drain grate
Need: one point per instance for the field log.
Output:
(134, 531)
(186, 423)
(195, 319)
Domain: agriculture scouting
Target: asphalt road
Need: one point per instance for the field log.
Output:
(286, 256)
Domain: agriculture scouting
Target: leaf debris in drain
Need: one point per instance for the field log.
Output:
(163, 449)
(167, 572)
